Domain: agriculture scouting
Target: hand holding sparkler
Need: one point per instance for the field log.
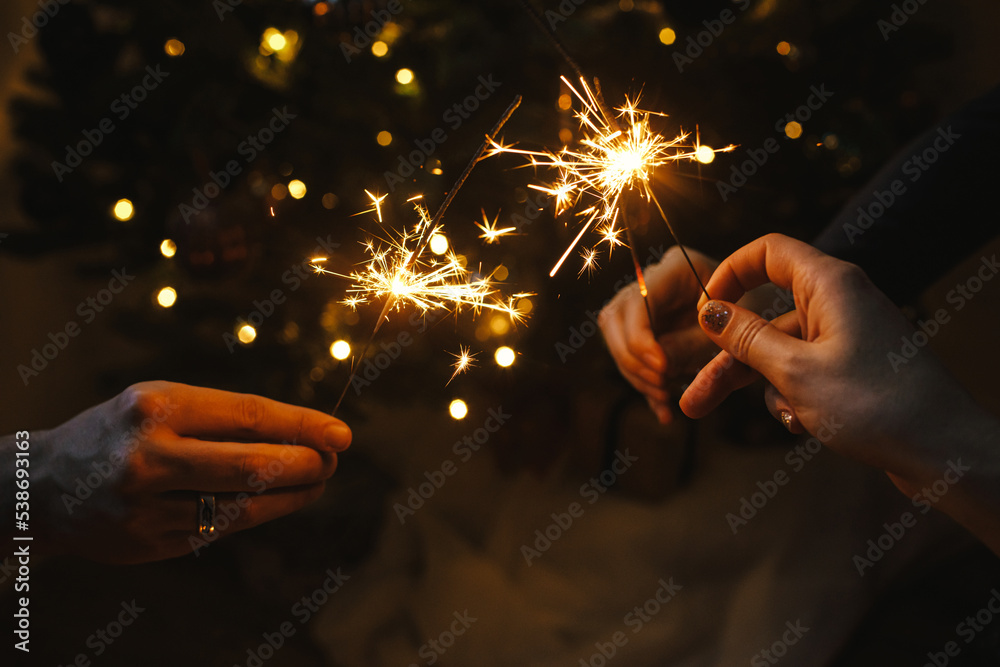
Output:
(655, 358)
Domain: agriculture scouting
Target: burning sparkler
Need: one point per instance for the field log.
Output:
(618, 153)
(399, 271)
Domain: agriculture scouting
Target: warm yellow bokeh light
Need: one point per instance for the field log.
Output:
(505, 356)
(380, 49)
(525, 306)
(404, 76)
(458, 409)
(565, 102)
(174, 48)
(784, 48)
(279, 191)
(793, 130)
(501, 272)
(566, 135)
(384, 138)
(439, 244)
(704, 154)
(297, 189)
(168, 248)
(626, 5)
(340, 350)
(668, 36)
(276, 40)
(167, 297)
(247, 334)
(330, 200)
(123, 210)
(499, 325)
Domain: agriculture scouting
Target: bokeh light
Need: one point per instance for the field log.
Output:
(168, 248)
(404, 76)
(123, 210)
(458, 409)
(505, 356)
(174, 48)
(384, 138)
(247, 334)
(668, 36)
(166, 297)
(439, 244)
(704, 154)
(793, 130)
(297, 189)
(340, 350)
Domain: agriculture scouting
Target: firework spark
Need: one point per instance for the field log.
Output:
(463, 362)
(617, 153)
(398, 270)
(490, 232)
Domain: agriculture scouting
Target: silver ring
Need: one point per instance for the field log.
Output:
(206, 513)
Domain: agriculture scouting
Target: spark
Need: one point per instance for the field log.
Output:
(397, 269)
(617, 153)
(490, 232)
(463, 362)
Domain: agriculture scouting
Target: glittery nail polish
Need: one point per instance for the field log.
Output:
(786, 419)
(715, 316)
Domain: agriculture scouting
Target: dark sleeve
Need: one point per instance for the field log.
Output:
(928, 208)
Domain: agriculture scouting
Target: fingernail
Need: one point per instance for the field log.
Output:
(337, 436)
(715, 316)
(786, 419)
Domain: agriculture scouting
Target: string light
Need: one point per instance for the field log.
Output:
(458, 409)
(123, 210)
(247, 334)
(166, 297)
(168, 248)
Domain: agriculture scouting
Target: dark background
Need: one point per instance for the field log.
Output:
(64, 243)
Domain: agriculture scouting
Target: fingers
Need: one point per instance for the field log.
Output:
(190, 464)
(630, 340)
(751, 346)
(720, 377)
(211, 413)
(772, 258)
(781, 409)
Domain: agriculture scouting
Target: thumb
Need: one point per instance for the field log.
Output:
(747, 336)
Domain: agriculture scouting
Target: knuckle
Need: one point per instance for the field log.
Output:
(252, 465)
(746, 337)
(140, 400)
(249, 412)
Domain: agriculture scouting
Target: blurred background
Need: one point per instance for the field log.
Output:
(361, 104)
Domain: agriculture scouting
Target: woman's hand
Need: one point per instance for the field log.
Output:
(679, 348)
(121, 481)
(837, 370)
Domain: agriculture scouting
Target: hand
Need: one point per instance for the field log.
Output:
(680, 348)
(121, 480)
(830, 366)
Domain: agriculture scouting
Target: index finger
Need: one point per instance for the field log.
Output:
(216, 414)
(774, 258)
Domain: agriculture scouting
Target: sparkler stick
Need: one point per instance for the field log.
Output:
(613, 157)
(436, 291)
